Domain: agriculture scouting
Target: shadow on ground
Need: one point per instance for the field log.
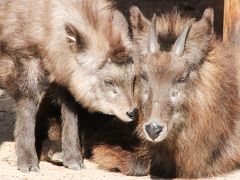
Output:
(7, 117)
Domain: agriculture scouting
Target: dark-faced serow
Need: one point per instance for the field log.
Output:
(187, 92)
(82, 46)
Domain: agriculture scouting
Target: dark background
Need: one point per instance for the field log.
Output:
(192, 8)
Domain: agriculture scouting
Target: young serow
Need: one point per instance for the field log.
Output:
(187, 92)
(83, 47)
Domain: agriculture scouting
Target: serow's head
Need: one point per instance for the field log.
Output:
(169, 51)
(103, 78)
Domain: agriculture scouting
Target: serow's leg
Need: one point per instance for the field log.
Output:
(72, 155)
(27, 159)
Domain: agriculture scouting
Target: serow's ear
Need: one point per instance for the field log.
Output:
(208, 15)
(75, 39)
(138, 21)
(119, 21)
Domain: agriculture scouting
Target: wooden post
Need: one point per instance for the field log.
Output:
(231, 18)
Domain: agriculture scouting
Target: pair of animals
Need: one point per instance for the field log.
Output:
(183, 81)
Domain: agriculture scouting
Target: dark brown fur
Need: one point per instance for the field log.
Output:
(194, 97)
(82, 47)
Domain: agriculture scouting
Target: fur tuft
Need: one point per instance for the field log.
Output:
(117, 159)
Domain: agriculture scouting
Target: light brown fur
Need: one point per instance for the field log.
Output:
(82, 47)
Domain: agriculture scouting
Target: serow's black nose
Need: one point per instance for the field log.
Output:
(132, 113)
(153, 130)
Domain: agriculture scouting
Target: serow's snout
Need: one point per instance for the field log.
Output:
(132, 113)
(153, 130)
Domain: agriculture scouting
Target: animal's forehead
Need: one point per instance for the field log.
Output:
(120, 72)
(110, 47)
(156, 63)
(162, 65)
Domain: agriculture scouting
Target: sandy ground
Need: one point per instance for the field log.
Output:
(8, 169)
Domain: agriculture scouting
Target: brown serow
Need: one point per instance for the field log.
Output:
(83, 47)
(187, 92)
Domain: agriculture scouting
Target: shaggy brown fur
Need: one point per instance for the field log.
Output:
(193, 99)
(80, 45)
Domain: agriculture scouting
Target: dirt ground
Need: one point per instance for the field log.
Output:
(8, 169)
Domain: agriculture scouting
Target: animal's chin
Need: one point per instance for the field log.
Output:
(123, 118)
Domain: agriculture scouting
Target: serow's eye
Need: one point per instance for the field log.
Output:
(182, 80)
(108, 83)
